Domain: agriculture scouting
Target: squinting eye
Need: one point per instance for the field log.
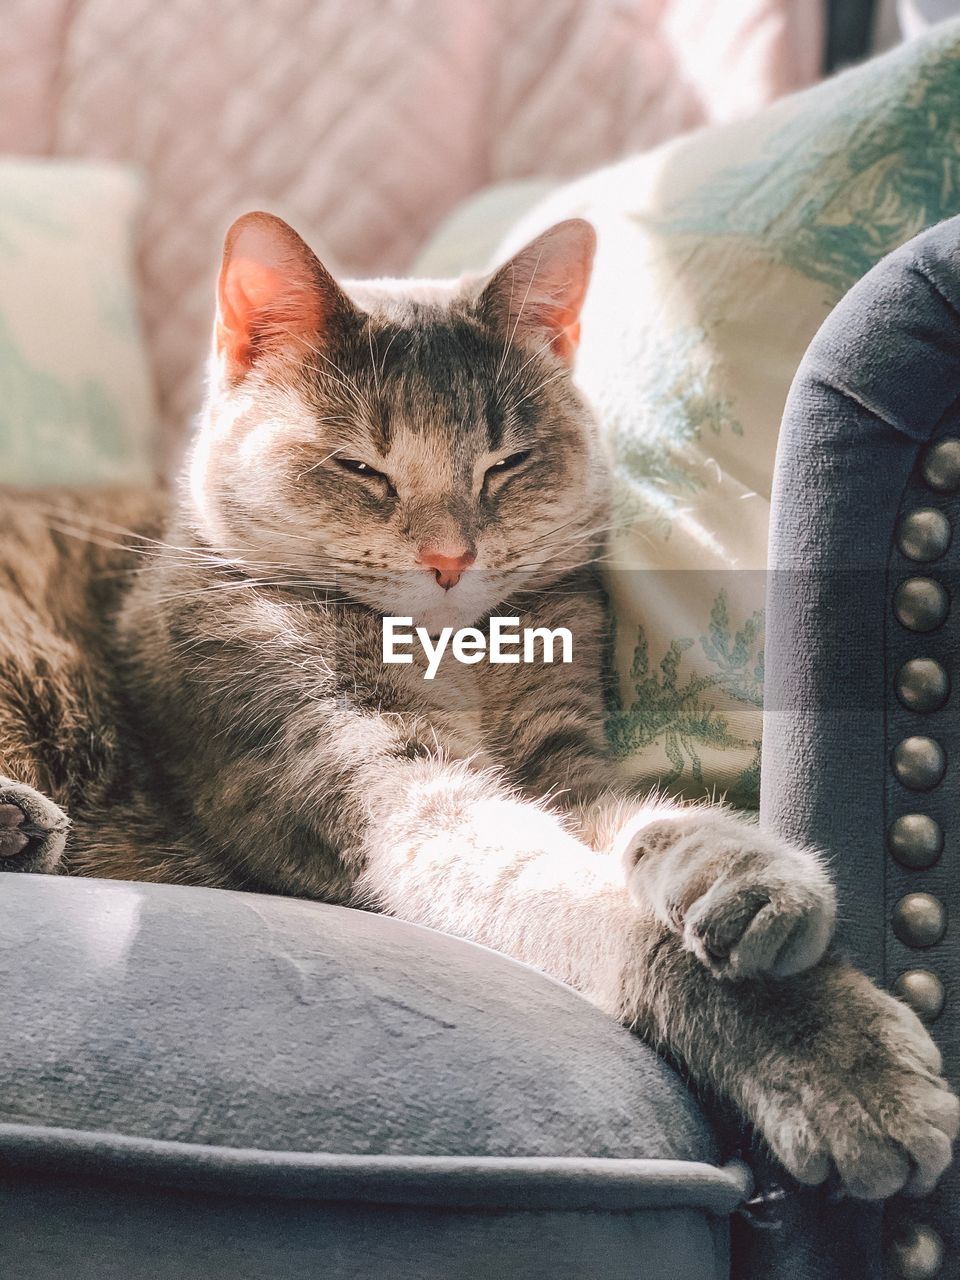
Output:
(364, 469)
(351, 464)
(507, 464)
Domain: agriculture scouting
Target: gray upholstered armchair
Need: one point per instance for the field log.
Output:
(861, 718)
(202, 1083)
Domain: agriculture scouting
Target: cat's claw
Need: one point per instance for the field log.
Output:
(33, 830)
(745, 903)
(883, 1123)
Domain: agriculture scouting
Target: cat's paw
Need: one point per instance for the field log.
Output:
(745, 903)
(863, 1100)
(33, 830)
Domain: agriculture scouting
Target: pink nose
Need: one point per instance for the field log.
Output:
(447, 569)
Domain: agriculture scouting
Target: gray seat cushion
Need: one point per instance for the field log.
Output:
(331, 1087)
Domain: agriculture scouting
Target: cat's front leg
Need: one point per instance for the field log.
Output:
(814, 1060)
(837, 1075)
(744, 902)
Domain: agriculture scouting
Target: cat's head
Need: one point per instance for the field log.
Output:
(417, 446)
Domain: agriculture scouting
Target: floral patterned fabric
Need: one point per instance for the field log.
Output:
(76, 404)
(720, 255)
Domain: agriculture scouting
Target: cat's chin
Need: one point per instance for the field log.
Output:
(454, 614)
(434, 610)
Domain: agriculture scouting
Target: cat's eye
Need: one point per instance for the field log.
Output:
(508, 463)
(358, 468)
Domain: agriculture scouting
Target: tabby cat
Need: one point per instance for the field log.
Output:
(193, 690)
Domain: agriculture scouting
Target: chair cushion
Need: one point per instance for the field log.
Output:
(261, 1047)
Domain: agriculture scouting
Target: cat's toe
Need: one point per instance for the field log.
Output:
(33, 830)
(745, 902)
(930, 1144)
(908, 1152)
(745, 930)
(885, 1125)
(927, 1123)
(873, 1157)
(12, 837)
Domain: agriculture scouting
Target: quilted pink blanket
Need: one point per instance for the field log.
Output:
(364, 121)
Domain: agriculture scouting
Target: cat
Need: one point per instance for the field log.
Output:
(192, 690)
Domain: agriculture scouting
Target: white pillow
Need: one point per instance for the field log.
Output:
(76, 399)
(720, 254)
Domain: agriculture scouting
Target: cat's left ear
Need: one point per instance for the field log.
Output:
(272, 293)
(539, 293)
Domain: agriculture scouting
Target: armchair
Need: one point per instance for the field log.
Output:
(861, 720)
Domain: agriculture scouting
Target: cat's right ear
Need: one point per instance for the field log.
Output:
(272, 292)
(540, 292)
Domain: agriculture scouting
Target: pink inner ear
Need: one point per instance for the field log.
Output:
(254, 282)
(249, 291)
(563, 325)
(247, 288)
(567, 340)
(269, 292)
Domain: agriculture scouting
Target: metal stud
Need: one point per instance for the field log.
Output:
(915, 840)
(922, 991)
(919, 763)
(941, 466)
(923, 685)
(924, 535)
(919, 919)
(921, 604)
(916, 1253)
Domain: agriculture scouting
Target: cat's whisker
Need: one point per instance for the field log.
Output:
(516, 324)
(560, 373)
(383, 358)
(210, 558)
(179, 555)
(353, 395)
(503, 390)
(548, 553)
(339, 374)
(68, 524)
(331, 594)
(570, 544)
(511, 268)
(567, 566)
(130, 548)
(373, 360)
(549, 533)
(591, 531)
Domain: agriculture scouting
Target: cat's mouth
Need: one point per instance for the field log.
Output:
(417, 596)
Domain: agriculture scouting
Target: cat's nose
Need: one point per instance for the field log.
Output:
(447, 566)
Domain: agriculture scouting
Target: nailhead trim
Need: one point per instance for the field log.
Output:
(922, 991)
(916, 1253)
(918, 762)
(921, 604)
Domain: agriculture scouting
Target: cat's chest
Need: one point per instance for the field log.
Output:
(469, 698)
